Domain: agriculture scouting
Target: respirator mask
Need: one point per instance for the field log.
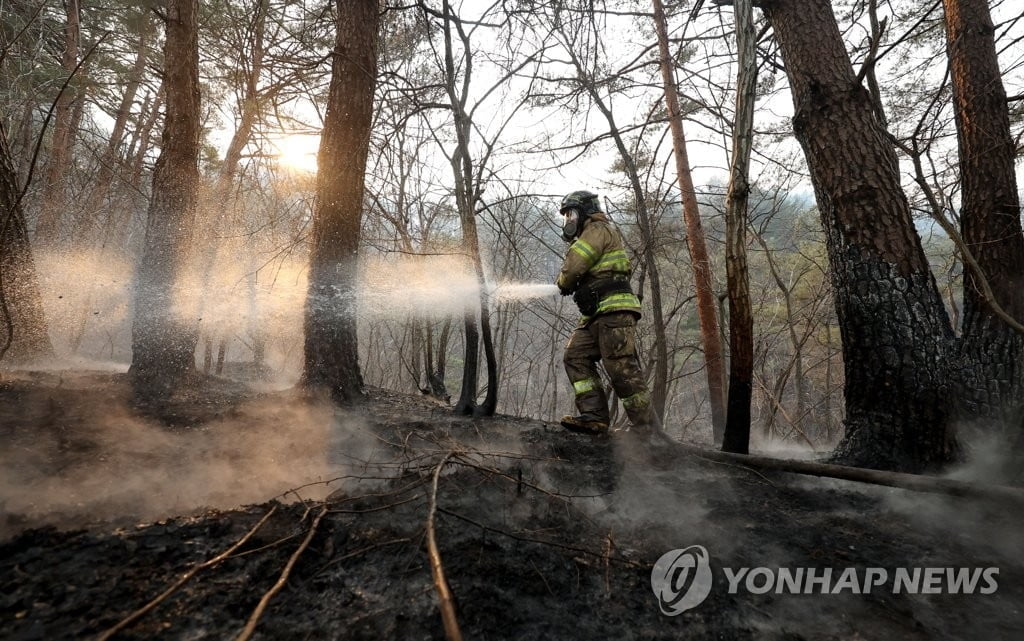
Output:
(570, 223)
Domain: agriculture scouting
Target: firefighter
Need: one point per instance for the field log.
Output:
(596, 273)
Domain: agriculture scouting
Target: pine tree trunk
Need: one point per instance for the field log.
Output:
(163, 339)
(111, 157)
(331, 341)
(98, 220)
(992, 353)
(741, 322)
(21, 152)
(23, 329)
(51, 211)
(896, 336)
(714, 364)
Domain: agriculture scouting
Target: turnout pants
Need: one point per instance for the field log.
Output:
(610, 338)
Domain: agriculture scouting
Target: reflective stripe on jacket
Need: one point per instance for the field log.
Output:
(597, 254)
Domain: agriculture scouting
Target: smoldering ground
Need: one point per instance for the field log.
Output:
(76, 450)
(543, 534)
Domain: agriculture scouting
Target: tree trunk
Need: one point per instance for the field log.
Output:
(111, 156)
(23, 330)
(51, 209)
(141, 143)
(163, 340)
(466, 197)
(22, 152)
(221, 201)
(896, 336)
(222, 350)
(95, 213)
(207, 354)
(713, 362)
(992, 388)
(331, 341)
(437, 384)
(741, 322)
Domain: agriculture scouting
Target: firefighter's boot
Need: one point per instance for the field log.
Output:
(585, 424)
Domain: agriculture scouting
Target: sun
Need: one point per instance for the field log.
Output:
(297, 152)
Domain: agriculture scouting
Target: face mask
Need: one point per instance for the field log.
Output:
(570, 224)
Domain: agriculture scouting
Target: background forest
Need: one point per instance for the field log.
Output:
(485, 114)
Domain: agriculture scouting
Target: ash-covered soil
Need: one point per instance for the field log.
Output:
(542, 534)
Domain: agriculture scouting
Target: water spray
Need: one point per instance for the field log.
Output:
(521, 291)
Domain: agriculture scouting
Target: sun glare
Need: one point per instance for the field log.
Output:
(297, 152)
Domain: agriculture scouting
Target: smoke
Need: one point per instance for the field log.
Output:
(87, 457)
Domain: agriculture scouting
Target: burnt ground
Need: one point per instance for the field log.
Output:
(542, 534)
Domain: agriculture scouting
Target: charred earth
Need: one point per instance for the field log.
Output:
(541, 534)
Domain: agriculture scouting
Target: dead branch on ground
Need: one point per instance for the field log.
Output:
(135, 616)
(902, 480)
(254, 619)
(444, 594)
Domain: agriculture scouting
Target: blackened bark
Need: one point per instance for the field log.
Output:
(23, 330)
(163, 339)
(992, 353)
(466, 404)
(896, 336)
(331, 345)
(741, 321)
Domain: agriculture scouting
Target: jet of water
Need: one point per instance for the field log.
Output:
(522, 291)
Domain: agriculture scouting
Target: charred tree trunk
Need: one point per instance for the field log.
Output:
(222, 350)
(331, 341)
(207, 354)
(714, 364)
(163, 340)
(741, 322)
(23, 330)
(992, 353)
(896, 336)
(52, 206)
(436, 361)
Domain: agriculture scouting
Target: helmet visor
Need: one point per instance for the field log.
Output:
(570, 216)
(570, 223)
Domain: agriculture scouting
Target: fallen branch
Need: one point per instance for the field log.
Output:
(135, 616)
(902, 480)
(444, 594)
(526, 539)
(254, 618)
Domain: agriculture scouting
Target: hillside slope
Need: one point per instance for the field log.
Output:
(542, 534)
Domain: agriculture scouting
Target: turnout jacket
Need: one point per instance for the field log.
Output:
(593, 260)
